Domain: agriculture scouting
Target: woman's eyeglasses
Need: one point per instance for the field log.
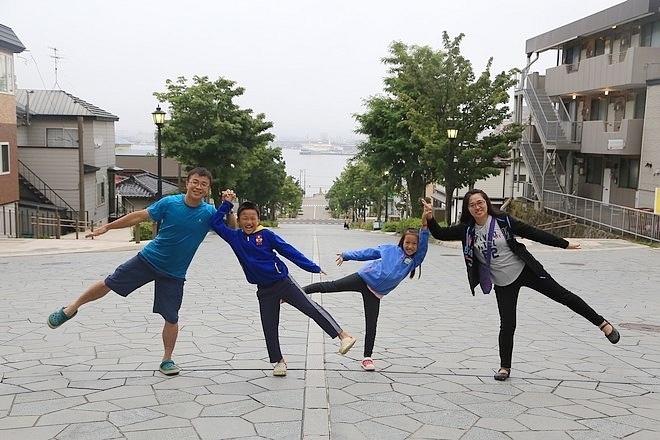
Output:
(477, 204)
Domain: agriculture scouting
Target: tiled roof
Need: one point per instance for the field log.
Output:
(59, 103)
(9, 40)
(143, 185)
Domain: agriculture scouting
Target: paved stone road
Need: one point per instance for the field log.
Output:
(435, 352)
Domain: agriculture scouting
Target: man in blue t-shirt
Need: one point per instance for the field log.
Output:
(184, 222)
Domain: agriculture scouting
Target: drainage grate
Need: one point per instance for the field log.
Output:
(641, 327)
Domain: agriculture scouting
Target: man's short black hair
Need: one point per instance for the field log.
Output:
(247, 205)
(201, 172)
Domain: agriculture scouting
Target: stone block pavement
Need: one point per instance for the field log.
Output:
(436, 351)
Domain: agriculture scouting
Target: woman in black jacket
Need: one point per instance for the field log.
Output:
(493, 256)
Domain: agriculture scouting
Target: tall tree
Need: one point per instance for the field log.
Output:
(428, 92)
(356, 189)
(391, 149)
(290, 197)
(262, 181)
(208, 129)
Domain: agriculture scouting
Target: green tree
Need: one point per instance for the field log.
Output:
(208, 129)
(426, 93)
(356, 189)
(391, 150)
(262, 179)
(290, 197)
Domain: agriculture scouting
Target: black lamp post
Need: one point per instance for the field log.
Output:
(159, 120)
(387, 202)
(452, 134)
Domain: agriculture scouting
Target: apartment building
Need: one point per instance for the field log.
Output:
(9, 191)
(593, 129)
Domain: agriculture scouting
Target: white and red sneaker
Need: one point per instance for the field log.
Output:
(367, 364)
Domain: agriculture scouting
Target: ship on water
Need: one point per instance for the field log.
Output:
(325, 148)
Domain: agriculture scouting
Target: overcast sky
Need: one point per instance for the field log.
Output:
(307, 64)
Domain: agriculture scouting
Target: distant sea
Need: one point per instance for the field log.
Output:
(316, 171)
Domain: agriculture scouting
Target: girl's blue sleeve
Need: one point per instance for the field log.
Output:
(423, 246)
(365, 254)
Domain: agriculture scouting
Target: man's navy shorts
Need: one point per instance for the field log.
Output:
(136, 272)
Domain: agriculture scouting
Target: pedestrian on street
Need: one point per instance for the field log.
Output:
(256, 247)
(494, 256)
(184, 222)
(391, 264)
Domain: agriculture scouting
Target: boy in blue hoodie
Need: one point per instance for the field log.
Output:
(392, 263)
(255, 248)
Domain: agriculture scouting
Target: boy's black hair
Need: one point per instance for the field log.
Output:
(247, 205)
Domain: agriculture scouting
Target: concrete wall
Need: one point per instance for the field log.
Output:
(648, 182)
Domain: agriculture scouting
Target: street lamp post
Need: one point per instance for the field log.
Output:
(387, 202)
(452, 134)
(159, 120)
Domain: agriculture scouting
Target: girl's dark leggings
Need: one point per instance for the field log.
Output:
(507, 299)
(353, 283)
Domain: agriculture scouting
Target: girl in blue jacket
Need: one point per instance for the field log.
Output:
(391, 264)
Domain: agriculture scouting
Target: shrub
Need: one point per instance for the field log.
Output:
(146, 231)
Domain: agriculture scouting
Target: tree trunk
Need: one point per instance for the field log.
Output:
(416, 187)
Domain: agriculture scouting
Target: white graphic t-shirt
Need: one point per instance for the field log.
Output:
(505, 266)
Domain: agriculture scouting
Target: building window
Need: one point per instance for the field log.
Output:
(594, 169)
(628, 173)
(4, 158)
(100, 193)
(6, 74)
(62, 137)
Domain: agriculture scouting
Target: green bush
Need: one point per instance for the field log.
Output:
(390, 226)
(146, 231)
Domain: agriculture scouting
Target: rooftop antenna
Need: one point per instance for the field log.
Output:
(56, 58)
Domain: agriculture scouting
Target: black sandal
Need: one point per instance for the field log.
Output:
(614, 335)
(502, 374)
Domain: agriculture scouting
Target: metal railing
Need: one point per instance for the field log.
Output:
(41, 186)
(618, 219)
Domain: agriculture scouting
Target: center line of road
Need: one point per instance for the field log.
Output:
(316, 408)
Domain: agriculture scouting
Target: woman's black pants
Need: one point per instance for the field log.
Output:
(507, 300)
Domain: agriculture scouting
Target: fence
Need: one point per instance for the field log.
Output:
(49, 226)
(639, 223)
(34, 222)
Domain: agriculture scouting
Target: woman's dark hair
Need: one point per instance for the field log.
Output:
(466, 217)
(415, 232)
(200, 171)
(247, 205)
